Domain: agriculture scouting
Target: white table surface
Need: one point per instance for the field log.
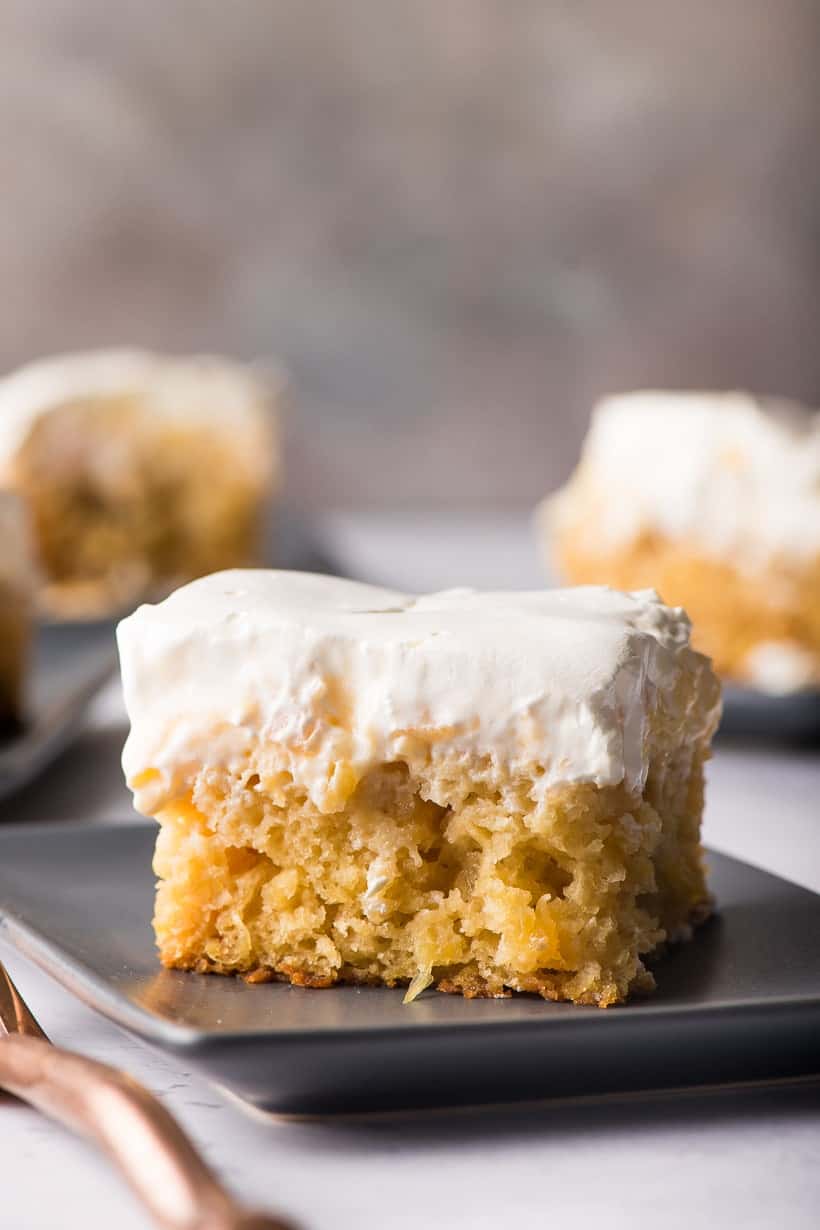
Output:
(731, 1158)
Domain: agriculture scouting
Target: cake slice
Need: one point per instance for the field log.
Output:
(17, 582)
(713, 499)
(139, 471)
(482, 792)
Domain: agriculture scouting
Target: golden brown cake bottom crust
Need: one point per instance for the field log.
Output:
(563, 897)
(469, 985)
(732, 612)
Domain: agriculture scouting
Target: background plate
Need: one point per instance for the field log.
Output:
(71, 662)
(742, 1001)
(793, 718)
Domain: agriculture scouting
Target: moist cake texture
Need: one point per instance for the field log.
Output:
(482, 792)
(17, 581)
(139, 471)
(713, 499)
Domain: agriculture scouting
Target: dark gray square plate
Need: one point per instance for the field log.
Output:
(741, 1002)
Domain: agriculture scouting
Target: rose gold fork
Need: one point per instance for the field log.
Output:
(105, 1105)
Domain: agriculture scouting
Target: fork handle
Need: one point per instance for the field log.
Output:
(139, 1135)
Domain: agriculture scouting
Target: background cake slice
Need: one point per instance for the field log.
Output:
(478, 791)
(17, 586)
(713, 499)
(139, 471)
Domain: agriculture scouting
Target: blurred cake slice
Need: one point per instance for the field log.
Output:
(139, 471)
(482, 792)
(714, 500)
(17, 583)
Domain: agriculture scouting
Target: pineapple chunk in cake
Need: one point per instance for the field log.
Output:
(139, 471)
(482, 792)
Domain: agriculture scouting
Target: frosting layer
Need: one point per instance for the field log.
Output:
(564, 685)
(736, 476)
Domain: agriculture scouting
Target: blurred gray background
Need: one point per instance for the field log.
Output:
(456, 221)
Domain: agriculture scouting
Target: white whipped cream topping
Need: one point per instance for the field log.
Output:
(736, 476)
(223, 395)
(339, 672)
